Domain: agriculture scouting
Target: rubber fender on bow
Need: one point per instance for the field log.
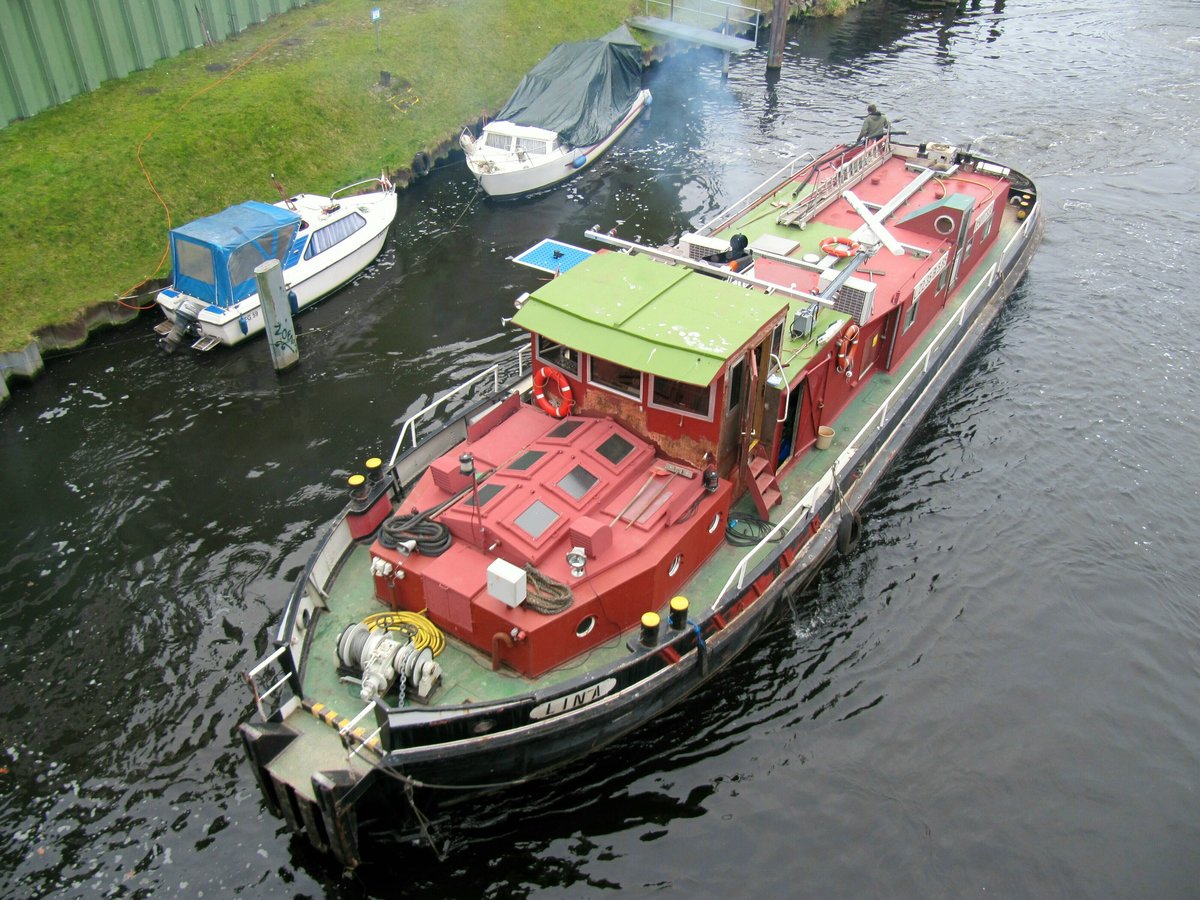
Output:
(849, 533)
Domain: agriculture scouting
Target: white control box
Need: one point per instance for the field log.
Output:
(507, 583)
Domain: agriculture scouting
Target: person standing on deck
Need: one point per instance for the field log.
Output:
(875, 125)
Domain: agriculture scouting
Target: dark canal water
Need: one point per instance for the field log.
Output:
(997, 694)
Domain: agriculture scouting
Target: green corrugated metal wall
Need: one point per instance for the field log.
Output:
(51, 50)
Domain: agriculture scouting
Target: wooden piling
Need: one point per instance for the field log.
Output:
(778, 34)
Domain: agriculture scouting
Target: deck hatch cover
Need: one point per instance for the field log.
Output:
(577, 482)
(565, 428)
(615, 448)
(536, 519)
(526, 459)
(483, 494)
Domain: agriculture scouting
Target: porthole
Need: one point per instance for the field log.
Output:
(675, 563)
(305, 618)
(943, 225)
(483, 726)
(715, 523)
(585, 626)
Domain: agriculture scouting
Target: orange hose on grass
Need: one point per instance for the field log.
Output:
(150, 181)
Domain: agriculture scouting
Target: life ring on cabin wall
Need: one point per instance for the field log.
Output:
(543, 375)
(840, 246)
(845, 347)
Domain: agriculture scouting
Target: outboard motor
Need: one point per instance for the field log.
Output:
(186, 315)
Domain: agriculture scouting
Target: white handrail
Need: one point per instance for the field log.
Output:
(410, 423)
(787, 170)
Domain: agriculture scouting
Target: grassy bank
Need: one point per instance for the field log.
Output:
(299, 96)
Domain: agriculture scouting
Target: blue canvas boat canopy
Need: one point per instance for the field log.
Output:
(214, 258)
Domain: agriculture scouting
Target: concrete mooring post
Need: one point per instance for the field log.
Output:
(277, 315)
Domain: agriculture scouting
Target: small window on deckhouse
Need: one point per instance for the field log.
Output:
(686, 398)
(617, 378)
(557, 355)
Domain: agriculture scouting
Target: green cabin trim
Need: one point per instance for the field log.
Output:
(668, 321)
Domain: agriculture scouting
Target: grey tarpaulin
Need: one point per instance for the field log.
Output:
(581, 89)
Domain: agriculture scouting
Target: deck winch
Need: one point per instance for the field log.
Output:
(382, 656)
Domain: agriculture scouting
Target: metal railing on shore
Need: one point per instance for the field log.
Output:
(732, 18)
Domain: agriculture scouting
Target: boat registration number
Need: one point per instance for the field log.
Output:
(568, 702)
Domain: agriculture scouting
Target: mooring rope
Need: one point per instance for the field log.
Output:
(546, 595)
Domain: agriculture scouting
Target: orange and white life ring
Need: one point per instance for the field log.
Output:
(545, 374)
(840, 246)
(845, 346)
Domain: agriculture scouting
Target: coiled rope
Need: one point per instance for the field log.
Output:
(546, 596)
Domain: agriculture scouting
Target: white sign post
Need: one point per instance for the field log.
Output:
(375, 19)
(277, 315)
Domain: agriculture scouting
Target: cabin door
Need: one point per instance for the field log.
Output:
(758, 418)
(789, 428)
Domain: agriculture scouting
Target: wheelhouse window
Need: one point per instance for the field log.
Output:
(686, 398)
(334, 233)
(557, 355)
(616, 378)
(736, 380)
(497, 141)
(911, 315)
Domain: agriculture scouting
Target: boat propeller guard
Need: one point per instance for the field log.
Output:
(541, 377)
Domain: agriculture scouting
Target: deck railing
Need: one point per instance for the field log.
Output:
(730, 213)
(409, 428)
(920, 366)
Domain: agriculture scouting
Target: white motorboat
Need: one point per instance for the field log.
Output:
(566, 112)
(321, 244)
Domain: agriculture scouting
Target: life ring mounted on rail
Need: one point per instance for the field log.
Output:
(845, 347)
(543, 375)
(840, 246)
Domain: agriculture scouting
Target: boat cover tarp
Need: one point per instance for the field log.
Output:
(214, 258)
(580, 90)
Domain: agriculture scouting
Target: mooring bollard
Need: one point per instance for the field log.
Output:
(277, 315)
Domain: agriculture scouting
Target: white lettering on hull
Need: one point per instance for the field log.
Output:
(566, 703)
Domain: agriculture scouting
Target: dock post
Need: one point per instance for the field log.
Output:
(778, 34)
(277, 315)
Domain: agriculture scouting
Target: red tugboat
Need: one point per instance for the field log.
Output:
(690, 431)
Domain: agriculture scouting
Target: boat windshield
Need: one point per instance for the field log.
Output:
(497, 141)
(531, 146)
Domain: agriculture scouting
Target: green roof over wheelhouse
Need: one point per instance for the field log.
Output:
(670, 321)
